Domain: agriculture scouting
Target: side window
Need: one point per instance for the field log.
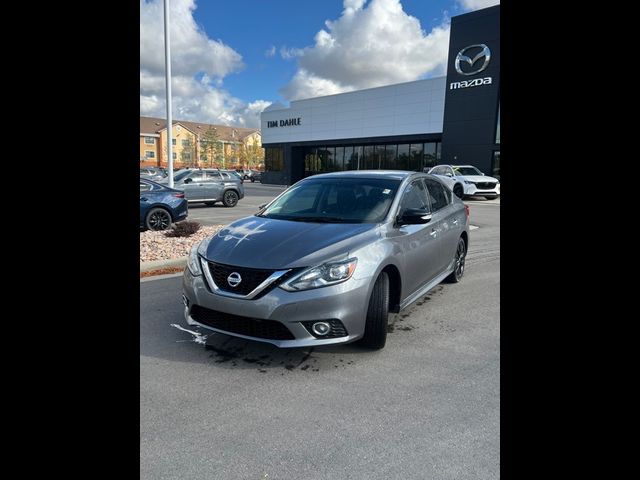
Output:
(197, 176)
(437, 195)
(212, 177)
(415, 196)
(438, 171)
(225, 176)
(144, 187)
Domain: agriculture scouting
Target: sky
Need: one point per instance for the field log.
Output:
(232, 59)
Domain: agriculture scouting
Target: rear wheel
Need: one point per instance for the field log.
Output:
(459, 259)
(375, 330)
(253, 179)
(158, 219)
(458, 190)
(230, 198)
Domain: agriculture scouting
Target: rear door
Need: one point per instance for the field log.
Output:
(212, 186)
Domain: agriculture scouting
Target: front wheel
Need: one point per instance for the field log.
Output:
(458, 190)
(158, 219)
(230, 198)
(458, 261)
(375, 329)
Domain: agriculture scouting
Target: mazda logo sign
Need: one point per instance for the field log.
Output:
(234, 279)
(461, 57)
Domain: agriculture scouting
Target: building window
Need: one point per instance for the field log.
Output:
(273, 159)
(339, 159)
(415, 157)
(186, 142)
(149, 140)
(429, 156)
(174, 155)
(403, 157)
(149, 154)
(173, 141)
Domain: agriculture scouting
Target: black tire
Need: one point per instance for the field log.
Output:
(209, 204)
(230, 198)
(458, 190)
(459, 260)
(158, 219)
(253, 179)
(375, 329)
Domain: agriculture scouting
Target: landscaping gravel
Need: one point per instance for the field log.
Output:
(155, 246)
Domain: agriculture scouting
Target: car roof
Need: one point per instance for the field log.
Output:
(391, 174)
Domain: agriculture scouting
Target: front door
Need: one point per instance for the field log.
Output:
(419, 243)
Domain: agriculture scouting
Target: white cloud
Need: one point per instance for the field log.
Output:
(198, 66)
(478, 4)
(370, 45)
(270, 52)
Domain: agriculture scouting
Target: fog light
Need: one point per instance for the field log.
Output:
(321, 328)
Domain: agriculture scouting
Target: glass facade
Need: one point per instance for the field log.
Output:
(273, 159)
(495, 165)
(322, 159)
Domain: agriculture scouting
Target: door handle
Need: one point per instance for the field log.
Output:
(455, 221)
(433, 233)
(144, 199)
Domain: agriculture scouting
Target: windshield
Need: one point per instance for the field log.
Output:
(467, 171)
(335, 200)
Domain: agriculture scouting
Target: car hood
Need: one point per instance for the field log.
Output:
(267, 243)
(480, 178)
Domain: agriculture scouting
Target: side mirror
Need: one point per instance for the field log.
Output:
(260, 207)
(188, 180)
(449, 174)
(414, 216)
(482, 174)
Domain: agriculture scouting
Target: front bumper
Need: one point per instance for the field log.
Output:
(470, 189)
(347, 302)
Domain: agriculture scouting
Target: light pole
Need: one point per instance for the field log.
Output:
(167, 63)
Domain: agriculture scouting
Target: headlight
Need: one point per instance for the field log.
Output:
(469, 183)
(194, 256)
(321, 276)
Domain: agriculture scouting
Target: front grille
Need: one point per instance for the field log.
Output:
(486, 185)
(337, 328)
(251, 277)
(252, 327)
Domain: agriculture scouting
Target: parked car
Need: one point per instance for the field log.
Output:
(256, 176)
(152, 173)
(328, 259)
(234, 173)
(244, 173)
(465, 180)
(160, 206)
(208, 186)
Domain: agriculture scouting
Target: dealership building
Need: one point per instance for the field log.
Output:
(408, 126)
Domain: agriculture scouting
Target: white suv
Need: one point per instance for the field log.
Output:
(467, 180)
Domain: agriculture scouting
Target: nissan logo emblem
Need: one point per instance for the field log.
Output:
(461, 57)
(234, 279)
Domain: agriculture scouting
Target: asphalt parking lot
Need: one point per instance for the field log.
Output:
(255, 195)
(426, 406)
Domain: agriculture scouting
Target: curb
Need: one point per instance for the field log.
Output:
(158, 264)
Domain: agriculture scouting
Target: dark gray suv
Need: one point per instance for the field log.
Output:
(328, 259)
(208, 185)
